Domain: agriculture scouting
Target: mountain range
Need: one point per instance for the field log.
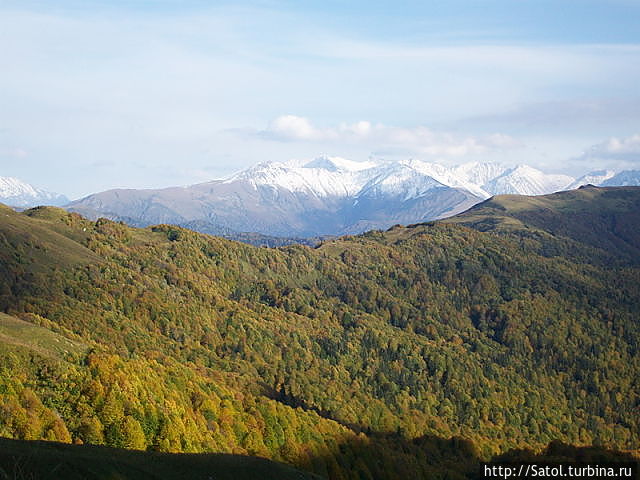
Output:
(325, 196)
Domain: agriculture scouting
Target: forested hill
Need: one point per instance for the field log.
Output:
(410, 353)
(603, 217)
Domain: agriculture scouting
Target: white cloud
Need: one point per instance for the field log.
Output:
(297, 128)
(616, 148)
(419, 139)
(616, 153)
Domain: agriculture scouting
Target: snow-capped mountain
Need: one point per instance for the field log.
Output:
(626, 178)
(597, 177)
(17, 193)
(322, 177)
(525, 180)
(479, 173)
(323, 196)
(327, 195)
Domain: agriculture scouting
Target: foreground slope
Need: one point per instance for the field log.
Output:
(409, 353)
(19, 459)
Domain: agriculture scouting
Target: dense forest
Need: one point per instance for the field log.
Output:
(410, 353)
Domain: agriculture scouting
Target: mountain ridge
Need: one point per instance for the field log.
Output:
(324, 196)
(602, 217)
(277, 203)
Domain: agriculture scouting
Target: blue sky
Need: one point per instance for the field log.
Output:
(97, 94)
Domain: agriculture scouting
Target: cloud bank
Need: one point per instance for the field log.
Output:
(616, 148)
(419, 139)
(619, 153)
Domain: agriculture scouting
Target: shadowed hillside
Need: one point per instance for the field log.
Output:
(21, 460)
(606, 218)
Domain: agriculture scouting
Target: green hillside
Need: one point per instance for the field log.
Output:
(411, 353)
(604, 218)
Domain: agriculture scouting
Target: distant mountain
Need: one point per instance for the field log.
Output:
(479, 173)
(17, 193)
(626, 178)
(525, 180)
(609, 178)
(325, 196)
(596, 177)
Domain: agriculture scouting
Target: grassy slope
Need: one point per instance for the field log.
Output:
(18, 333)
(603, 218)
(37, 232)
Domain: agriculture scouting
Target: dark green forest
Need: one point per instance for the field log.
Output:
(411, 353)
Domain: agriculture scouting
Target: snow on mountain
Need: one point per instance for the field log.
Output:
(525, 180)
(478, 173)
(626, 178)
(334, 176)
(399, 180)
(596, 177)
(338, 177)
(329, 195)
(17, 193)
(447, 177)
(325, 178)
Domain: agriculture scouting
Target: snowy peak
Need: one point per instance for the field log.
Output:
(338, 177)
(326, 179)
(335, 176)
(479, 173)
(448, 177)
(526, 180)
(596, 177)
(12, 187)
(399, 180)
(16, 193)
(626, 178)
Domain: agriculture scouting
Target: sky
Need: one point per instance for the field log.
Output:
(144, 94)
